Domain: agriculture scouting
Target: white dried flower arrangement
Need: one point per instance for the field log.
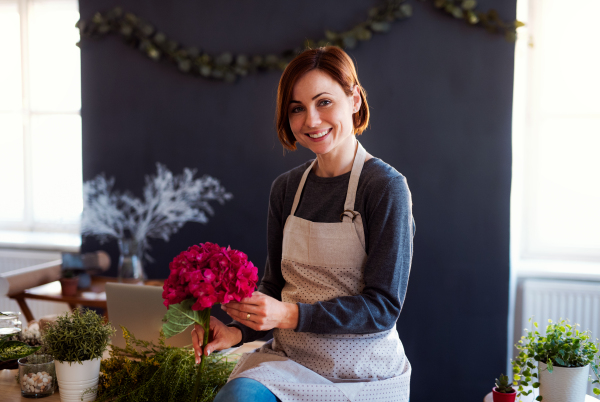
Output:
(169, 202)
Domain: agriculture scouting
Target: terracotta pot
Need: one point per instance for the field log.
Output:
(502, 397)
(69, 286)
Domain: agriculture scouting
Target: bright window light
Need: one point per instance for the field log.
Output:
(40, 122)
(556, 133)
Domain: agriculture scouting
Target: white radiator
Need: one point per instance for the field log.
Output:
(577, 301)
(15, 259)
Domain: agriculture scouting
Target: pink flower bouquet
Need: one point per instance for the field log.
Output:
(201, 277)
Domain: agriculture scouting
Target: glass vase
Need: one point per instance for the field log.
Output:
(10, 323)
(37, 376)
(131, 269)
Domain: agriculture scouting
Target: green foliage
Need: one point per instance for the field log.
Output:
(563, 345)
(491, 21)
(11, 350)
(179, 317)
(81, 335)
(143, 371)
(68, 273)
(228, 67)
(502, 385)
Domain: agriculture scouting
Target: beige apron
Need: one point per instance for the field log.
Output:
(322, 261)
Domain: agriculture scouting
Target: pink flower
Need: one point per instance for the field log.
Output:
(210, 274)
(205, 296)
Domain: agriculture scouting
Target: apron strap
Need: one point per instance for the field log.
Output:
(349, 214)
(300, 187)
(359, 161)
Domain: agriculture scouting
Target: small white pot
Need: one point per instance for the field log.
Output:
(564, 384)
(76, 380)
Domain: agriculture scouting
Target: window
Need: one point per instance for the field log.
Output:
(40, 122)
(556, 136)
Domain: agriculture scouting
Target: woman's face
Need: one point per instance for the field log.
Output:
(320, 113)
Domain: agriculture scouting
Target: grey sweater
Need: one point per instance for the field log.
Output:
(384, 202)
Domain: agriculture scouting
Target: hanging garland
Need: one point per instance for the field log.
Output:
(228, 67)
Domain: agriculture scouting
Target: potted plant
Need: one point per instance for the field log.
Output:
(503, 391)
(563, 355)
(77, 342)
(11, 350)
(68, 282)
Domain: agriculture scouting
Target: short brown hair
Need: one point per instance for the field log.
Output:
(331, 60)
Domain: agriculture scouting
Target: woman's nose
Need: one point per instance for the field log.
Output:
(313, 119)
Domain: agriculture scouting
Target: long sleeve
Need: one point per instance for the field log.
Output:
(390, 228)
(384, 201)
(272, 281)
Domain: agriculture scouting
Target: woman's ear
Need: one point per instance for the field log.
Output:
(356, 99)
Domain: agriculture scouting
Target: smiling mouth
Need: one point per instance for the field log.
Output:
(320, 133)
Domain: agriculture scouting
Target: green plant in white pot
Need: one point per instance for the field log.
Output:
(563, 356)
(77, 342)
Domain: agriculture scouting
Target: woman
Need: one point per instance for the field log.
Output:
(340, 233)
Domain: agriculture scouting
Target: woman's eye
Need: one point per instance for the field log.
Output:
(295, 110)
(323, 102)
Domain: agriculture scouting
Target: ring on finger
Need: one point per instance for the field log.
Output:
(248, 316)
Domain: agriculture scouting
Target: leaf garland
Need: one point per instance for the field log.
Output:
(491, 21)
(226, 66)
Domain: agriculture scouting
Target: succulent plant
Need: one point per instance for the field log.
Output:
(503, 385)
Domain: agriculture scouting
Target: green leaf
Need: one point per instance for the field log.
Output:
(179, 317)
(381, 26)
(15, 350)
(596, 391)
(469, 4)
(536, 385)
(539, 398)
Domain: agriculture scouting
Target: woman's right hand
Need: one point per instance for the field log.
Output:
(221, 337)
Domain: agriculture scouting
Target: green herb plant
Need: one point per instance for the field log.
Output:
(11, 350)
(563, 345)
(68, 274)
(78, 336)
(503, 385)
(143, 371)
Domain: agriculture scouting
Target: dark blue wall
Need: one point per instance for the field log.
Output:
(441, 95)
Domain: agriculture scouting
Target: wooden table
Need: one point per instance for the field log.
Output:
(95, 296)
(10, 391)
(489, 398)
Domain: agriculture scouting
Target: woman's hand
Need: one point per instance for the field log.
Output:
(221, 337)
(265, 312)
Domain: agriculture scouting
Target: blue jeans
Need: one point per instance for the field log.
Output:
(245, 390)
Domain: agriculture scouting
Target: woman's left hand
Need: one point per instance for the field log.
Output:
(265, 312)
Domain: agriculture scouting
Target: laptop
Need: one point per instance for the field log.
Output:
(140, 309)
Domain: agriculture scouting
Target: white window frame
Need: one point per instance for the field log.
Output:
(28, 223)
(527, 258)
(527, 261)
